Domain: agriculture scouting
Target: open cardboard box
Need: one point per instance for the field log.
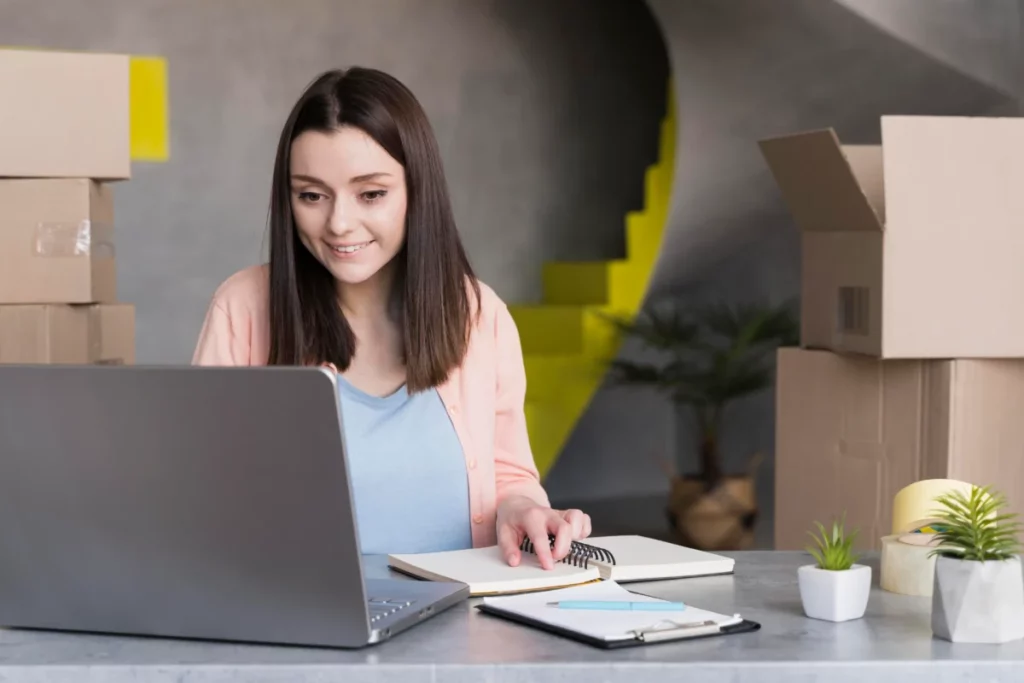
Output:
(852, 431)
(911, 249)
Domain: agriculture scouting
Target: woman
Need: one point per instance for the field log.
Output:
(367, 275)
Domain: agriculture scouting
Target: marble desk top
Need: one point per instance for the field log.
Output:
(893, 642)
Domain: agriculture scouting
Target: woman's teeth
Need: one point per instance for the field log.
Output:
(349, 250)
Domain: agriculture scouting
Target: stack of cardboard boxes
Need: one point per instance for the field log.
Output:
(64, 142)
(911, 363)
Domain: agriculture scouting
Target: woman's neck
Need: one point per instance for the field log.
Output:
(372, 300)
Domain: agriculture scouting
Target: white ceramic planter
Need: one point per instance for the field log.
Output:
(978, 602)
(834, 595)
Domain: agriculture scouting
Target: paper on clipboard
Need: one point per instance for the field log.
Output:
(612, 625)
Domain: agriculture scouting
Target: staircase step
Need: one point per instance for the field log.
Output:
(667, 143)
(561, 378)
(567, 330)
(616, 284)
(579, 283)
(643, 240)
(549, 427)
(656, 190)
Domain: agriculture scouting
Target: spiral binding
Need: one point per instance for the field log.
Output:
(579, 555)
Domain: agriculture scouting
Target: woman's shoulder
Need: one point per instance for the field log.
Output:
(234, 331)
(245, 290)
(489, 305)
(492, 318)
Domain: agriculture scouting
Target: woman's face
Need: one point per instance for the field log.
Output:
(348, 199)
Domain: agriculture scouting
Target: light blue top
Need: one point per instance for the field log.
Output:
(408, 472)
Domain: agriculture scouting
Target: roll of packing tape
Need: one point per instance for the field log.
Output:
(906, 569)
(914, 506)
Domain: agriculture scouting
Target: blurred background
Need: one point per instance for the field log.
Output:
(602, 158)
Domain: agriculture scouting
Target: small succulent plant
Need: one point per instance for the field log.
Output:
(972, 528)
(833, 552)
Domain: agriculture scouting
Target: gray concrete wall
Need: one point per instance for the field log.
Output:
(743, 71)
(980, 38)
(547, 114)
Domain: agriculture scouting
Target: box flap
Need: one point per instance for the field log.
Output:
(819, 184)
(866, 163)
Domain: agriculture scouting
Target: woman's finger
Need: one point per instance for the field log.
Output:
(535, 526)
(563, 533)
(576, 520)
(508, 542)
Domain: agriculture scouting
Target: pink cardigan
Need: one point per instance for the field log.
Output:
(484, 397)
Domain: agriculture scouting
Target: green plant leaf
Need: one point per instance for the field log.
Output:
(971, 527)
(834, 549)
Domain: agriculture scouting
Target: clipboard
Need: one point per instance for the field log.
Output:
(665, 631)
(650, 636)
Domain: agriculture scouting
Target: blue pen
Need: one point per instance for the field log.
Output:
(620, 606)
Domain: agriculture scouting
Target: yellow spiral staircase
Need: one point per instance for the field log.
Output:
(567, 343)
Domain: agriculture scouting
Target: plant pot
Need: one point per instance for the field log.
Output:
(722, 518)
(978, 602)
(834, 595)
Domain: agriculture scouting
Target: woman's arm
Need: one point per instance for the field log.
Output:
(514, 468)
(523, 506)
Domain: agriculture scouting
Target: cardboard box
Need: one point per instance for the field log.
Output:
(64, 114)
(64, 334)
(852, 431)
(56, 238)
(911, 249)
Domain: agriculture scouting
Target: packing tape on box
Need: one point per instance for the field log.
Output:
(74, 238)
(906, 569)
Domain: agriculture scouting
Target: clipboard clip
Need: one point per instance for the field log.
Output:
(673, 630)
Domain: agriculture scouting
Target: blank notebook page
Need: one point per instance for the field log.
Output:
(602, 625)
(639, 558)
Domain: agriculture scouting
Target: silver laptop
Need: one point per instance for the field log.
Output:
(189, 502)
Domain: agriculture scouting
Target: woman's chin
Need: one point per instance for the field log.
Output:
(353, 273)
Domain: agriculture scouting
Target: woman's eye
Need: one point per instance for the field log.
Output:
(374, 195)
(310, 196)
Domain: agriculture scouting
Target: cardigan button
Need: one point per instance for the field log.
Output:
(478, 519)
(472, 464)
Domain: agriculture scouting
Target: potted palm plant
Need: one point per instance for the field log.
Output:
(713, 355)
(978, 594)
(835, 588)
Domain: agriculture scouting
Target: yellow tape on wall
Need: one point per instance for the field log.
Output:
(150, 134)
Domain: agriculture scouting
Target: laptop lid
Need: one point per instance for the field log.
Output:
(178, 501)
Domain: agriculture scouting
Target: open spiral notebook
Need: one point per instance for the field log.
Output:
(610, 558)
